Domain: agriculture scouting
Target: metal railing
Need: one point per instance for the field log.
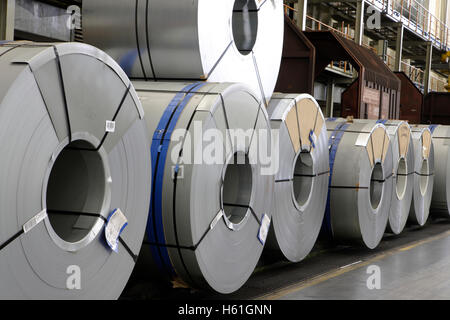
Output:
(416, 18)
(314, 24)
(417, 75)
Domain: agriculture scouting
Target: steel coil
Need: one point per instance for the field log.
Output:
(423, 175)
(440, 202)
(403, 174)
(214, 40)
(210, 210)
(301, 184)
(74, 150)
(361, 183)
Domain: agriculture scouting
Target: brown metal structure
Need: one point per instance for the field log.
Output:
(298, 62)
(436, 108)
(411, 100)
(376, 93)
(349, 99)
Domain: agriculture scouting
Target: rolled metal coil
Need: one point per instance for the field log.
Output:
(301, 184)
(213, 40)
(75, 150)
(361, 183)
(423, 175)
(209, 216)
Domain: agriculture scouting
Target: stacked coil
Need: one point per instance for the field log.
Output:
(214, 40)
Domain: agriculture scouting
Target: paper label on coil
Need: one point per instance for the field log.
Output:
(293, 126)
(426, 144)
(115, 224)
(378, 146)
(309, 121)
(264, 229)
(363, 140)
(404, 134)
(33, 222)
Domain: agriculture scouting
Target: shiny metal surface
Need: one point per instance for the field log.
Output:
(424, 169)
(361, 188)
(440, 202)
(211, 243)
(58, 157)
(214, 40)
(301, 184)
(403, 172)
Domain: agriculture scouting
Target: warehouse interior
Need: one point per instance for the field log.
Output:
(357, 91)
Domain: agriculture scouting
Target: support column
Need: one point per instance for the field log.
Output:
(315, 14)
(330, 99)
(427, 75)
(382, 47)
(399, 48)
(301, 14)
(444, 11)
(7, 14)
(359, 23)
(446, 19)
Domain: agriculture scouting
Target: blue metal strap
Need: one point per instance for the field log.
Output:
(159, 149)
(382, 121)
(433, 127)
(333, 145)
(128, 61)
(311, 138)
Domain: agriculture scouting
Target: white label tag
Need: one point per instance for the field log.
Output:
(110, 126)
(178, 171)
(114, 226)
(363, 140)
(33, 222)
(216, 219)
(264, 229)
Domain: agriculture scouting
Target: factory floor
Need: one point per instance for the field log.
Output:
(414, 265)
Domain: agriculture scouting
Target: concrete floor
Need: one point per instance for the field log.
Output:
(414, 265)
(418, 271)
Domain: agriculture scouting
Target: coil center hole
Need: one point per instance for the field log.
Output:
(76, 186)
(303, 178)
(402, 178)
(376, 186)
(237, 188)
(424, 177)
(245, 25)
